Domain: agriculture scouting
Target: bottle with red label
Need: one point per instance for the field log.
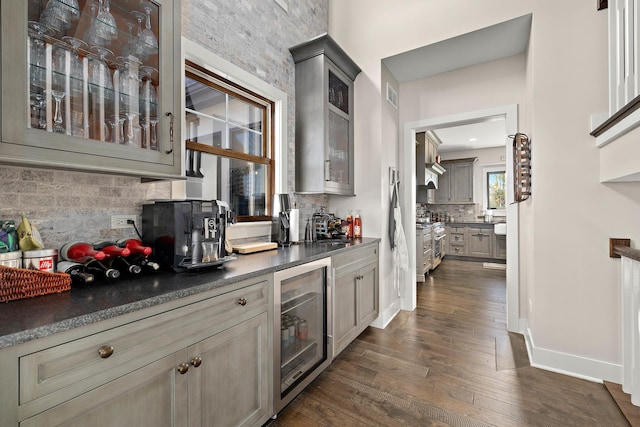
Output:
(349, 226)
(357, 226)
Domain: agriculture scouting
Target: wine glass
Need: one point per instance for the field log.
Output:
(129, 129)
(148, 40)
(105, 20)
(58, 120)
(148, 94)
(128, 83)
(56, 15)
(99, 73)
(92, 34)
(153, 123)
(38, 103)
(38, 58)
(137, 48)
(116, 125)
(76, 68)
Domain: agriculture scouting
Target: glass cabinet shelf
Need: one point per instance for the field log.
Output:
(90, 85)
(93, 70)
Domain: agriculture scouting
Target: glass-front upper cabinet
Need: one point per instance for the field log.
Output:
(324, 117)
(90, 85)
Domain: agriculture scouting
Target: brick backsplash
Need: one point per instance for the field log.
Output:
(459, 213)
(67, 206)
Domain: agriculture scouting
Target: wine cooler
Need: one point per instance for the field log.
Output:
(302, 321)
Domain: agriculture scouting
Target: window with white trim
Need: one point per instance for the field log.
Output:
(229, 142)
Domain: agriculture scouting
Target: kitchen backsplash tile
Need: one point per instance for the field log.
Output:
(68, 206)
(459, 213)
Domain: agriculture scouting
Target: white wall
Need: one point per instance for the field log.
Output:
(572, 287)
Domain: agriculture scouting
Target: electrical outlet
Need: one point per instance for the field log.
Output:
(120, 221)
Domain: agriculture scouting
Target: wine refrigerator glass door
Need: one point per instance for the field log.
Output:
(300, 329)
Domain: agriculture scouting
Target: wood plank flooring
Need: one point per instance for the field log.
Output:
(450, 362)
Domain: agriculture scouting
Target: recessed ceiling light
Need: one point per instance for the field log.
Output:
(473, 139)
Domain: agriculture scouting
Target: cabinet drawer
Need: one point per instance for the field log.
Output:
(457, 250)
(456, 239)
(81, 365)
(356, 257)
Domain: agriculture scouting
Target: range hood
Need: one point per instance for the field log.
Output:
(430, 180)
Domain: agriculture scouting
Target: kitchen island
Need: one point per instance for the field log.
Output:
(157, 350)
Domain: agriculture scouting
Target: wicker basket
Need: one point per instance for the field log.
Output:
(18, 283)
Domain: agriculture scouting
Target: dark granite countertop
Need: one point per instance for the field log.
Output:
(28, 319)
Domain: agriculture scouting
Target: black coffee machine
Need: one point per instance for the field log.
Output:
(187, 234)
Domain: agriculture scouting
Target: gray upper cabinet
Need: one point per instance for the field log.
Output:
(80, 94)
(456, 185)
(324, 117)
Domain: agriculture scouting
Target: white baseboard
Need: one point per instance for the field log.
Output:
(387, 315)
(572, 365)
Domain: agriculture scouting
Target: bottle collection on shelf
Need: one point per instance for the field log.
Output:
(293, 329)
(87, 262)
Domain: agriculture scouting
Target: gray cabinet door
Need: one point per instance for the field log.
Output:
(155, 395)
(500, 247)
(345, 315)
(462, 183)
(479, 242)
(443, 193)
(230, 387)
(58, 121)
(368, 295)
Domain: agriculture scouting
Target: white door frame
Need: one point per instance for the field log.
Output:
(408, 196)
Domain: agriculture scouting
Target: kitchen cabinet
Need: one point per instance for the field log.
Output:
(77, 96)
(479, 242)
(324, 117)
(456, 184)
(500, 247)
(204, 363)
(355, 295)
(426, 151)
(423, 252)
(457, 241)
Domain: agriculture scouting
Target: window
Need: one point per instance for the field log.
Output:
(496, 192)
(229, 144)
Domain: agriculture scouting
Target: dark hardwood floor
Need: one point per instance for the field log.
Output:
(450, 362)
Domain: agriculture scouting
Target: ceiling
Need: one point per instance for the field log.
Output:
(486, 134)
(487, 44)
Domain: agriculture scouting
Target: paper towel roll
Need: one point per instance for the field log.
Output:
(294, 225)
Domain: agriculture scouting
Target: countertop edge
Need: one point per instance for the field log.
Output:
(41, 331)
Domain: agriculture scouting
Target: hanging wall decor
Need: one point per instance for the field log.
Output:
(521, 167)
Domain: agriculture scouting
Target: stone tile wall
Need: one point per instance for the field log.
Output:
(67, 206)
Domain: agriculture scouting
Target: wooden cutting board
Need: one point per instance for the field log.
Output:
(249, 248)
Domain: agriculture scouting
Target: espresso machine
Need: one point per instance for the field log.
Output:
(187, 234)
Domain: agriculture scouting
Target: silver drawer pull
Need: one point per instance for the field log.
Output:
(242, 301)
(105, 351)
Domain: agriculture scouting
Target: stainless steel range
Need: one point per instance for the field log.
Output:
(439, 249)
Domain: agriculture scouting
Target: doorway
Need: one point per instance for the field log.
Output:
(407, 199)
